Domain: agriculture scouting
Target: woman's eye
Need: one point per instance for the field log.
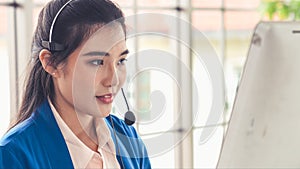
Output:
(96, 62)
(122, 61)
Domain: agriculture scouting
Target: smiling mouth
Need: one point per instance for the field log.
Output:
(106, 99)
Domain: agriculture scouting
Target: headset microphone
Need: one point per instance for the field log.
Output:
(129, 117)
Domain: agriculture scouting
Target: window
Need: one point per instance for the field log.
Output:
(227, 30)
(6, 51)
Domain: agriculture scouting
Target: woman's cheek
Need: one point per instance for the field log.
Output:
(122, 77)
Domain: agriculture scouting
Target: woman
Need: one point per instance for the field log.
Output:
(77, 67)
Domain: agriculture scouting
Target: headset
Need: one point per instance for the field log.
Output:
(129, 117)
(50, 45)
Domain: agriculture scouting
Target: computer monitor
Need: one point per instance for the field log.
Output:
(264, 129)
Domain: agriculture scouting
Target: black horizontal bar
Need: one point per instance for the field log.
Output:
(10, 4)
(296, 31)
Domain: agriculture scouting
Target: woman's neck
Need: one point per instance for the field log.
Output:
(80, 124)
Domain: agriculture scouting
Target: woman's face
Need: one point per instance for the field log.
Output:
(93, 73)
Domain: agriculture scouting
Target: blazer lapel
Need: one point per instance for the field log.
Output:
(52, 138)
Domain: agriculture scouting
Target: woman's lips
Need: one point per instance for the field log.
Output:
(106, 99)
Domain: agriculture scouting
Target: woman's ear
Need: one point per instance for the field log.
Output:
(45, 56)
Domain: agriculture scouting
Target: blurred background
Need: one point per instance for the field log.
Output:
(228, 26)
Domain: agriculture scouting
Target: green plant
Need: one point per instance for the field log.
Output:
(284, 10)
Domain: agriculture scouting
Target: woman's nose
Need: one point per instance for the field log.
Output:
(110, 76)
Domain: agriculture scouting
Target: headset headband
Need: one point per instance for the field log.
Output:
(50, 45)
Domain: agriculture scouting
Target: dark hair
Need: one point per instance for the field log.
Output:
(75, 23)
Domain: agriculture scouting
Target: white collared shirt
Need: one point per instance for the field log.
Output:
(81, 155)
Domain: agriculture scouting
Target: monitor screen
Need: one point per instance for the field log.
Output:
(264, 129)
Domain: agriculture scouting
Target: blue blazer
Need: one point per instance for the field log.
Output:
(38, 143)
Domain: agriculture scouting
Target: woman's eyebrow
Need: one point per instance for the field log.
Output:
(125, 52)
(100, 53)
(96, 53)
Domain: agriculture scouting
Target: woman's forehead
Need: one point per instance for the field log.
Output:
(105, 38)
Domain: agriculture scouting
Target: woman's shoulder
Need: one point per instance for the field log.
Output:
(19, 133)
(14, 145)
